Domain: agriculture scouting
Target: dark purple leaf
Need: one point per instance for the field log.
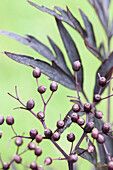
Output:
(54, 72)
(86, 155)
(108, 143)
(89, 30)
(102, 14)
(59, 57)
(63, 17)
(31, 42)
(91, 2)
(76, 23)
(105, 70)
(71, 49)
(67, 118)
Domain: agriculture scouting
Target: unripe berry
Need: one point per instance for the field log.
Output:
(110, 165)
(74, 117)
(38, 138)
(56, 136)
(73, 158)
(76, 107)
(53, 86)
(94, 133)
(60, 124)
(41, 89)
(36, 72)
(5, 165)
(89, 127)
(0, 133)
(91, 148)
(18, 141)
(33, 165)
(102, 81)
(70, 137)
(48, 161)
(100, 139)
(30, 104)
(80, 121)
(87, 107)
(33, 133)
(76, 66)
(48, 133)
(1, 119)
(97, 97)
(17, 159)
(9, 120)
(105, 128)
(38, 151)
(99, 115)
(40, 115)
(31, 146)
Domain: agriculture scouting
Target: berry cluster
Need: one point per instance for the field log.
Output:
(90, 132)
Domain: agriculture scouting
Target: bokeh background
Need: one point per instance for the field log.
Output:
(20, 17)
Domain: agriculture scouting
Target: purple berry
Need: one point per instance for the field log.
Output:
(99, 115)
(70, 137)
(100, 139)
(94, 133)
(38, 138)
(60, 124)
(5, 165)
(91, 148)
(80, 121)
(110, 165)
(76, 107)
(48, 161)
(9, 120)
(38, 151)
(40, 115)
(30, 104)
(36, 72)
(105, 128)
(18, 141)
(87, 107)
(53, 86)
(74, 117)
(73, 158)
(48, 133)
(1, 119)
(76, 66)
(33, 165)
(41, 89)
(56, 136)
(32, 146)
(89, 127)
(97, 97)
(17, 159)
(0, 133)
(102, 81)
(33, 133)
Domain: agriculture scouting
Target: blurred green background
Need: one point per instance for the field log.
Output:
(19, 17)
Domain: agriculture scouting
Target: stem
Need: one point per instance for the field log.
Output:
(81, 139)
(107, 153)
(108, 110)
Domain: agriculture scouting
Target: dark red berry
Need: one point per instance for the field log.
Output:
(70, 137)
(48, 133)
(5, 165)
(33, 165)
(99, 114)
(89, 127)
(91, 148)
(38, 151)
(41, 89)
(9, 120)
(31, 146)
(87, 107)
(105, 128)
(17, 159)
(48, 161)
(33, 133)
(76, 107)
(30, 104)
(94, 133)
(76, 66)
(53, 86)
(40, 115)
(0, 133)
(73, 158)
(80, 121)
(18, 141)
(36, 72)
(60, 124)
(100, 139)
(110, 165)
(74, 117)
(38, 138)
(1, 119)
(97, 97)
(102, 81)
(56, 136)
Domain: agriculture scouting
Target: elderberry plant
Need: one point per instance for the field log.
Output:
(84, 114)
